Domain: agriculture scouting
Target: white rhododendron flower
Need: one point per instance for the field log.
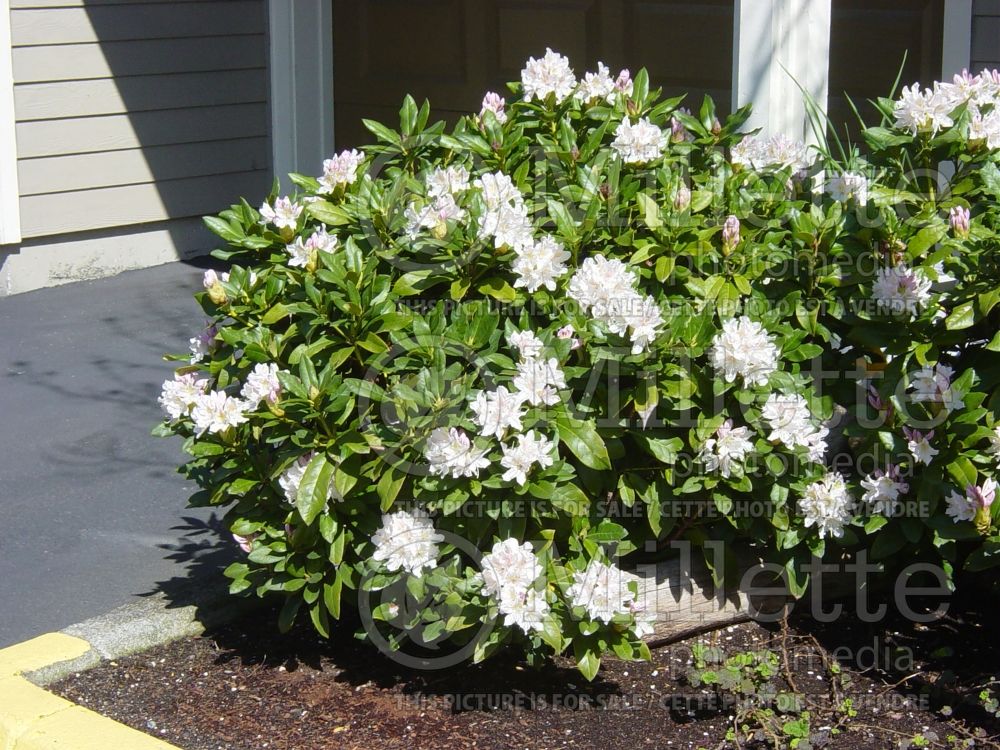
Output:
(849, 186)
(597, 86)
(644, 321)
(506, 216)
(882, 490)
(603, 590)
(291, 478)
(497, 411)
(518, 459)
(598, 282)
(791, 424)
(284, 214)
(540, 264)
(607, 290)
(933, 384)
(827, 505)
(527, 344)
(443, 185)
(341, 169)
(977, 90)
(494, 103)
(178, 396)
(434, 216)
(994, 448)
(729, 448)
(902, 289)
(744, 349)
(302, 252)
(526, 608)
(538, 381)
(210, 278)
(986, 128)
(639, 143)
(261, 384)
(960, 508)
(551, 74)
(453, 180)
(509, 565)
(406, 541)
(449, 452)
(924, 110)
(216, 412)
(203, 344)
(814, 441)
(510, 572)
(920, 446)
(776, 152)
(975, 500)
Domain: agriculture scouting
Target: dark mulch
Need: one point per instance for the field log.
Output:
(245, 688)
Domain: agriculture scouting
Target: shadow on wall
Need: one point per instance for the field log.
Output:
(135, 119)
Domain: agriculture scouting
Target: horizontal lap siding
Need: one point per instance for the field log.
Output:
(135, 112)
(985, 34)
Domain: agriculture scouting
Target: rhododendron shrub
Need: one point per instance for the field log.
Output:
(472, 378)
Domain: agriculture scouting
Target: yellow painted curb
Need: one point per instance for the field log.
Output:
(32, 718)
(40, 652)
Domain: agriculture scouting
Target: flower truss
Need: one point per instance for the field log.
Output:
(586, 297)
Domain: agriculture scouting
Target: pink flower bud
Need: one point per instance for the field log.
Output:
(682, 198)
(245, 542)
(730, 233)
(624, 82)
(494, 103)
(958, 218)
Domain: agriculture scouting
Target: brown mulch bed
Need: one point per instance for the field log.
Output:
(243, 687)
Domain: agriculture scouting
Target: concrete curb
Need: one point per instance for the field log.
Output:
(32, 718)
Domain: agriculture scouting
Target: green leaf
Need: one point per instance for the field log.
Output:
(286, 618)
(582, 439)
(570, 499)
(498, 289)
(963, 472)
(343, 482)
(275, 314)
(990, 175)
(587, 661)
(383, 133)
(663, 449)
(961, 317)
(320, 621)
(926, 238)
(388, 487)
(607, 531)
(314, 487)
(328, 213)
(650, 211)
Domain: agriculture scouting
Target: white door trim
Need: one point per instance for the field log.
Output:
(778, 46)
(10, 216)
(301, 73)
(956, 48)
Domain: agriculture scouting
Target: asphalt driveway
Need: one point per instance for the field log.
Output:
(92, 512)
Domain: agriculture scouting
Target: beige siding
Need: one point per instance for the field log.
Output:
(137, 112)
(985, 34)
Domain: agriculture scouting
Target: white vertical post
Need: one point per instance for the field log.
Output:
(301, 68)
(781, 48)
(10, 216)
(956, 48)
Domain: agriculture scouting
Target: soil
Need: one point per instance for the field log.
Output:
(244, 687)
